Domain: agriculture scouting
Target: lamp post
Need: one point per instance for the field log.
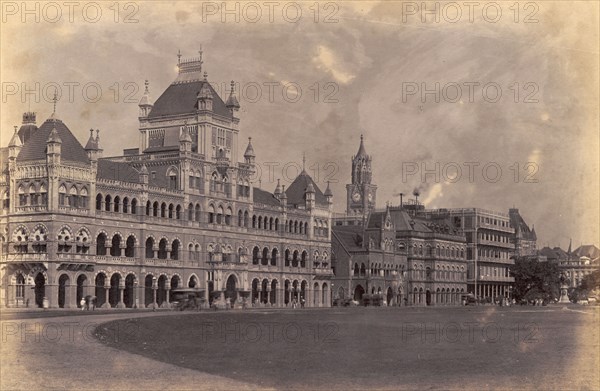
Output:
(136, 302)
(332, 293)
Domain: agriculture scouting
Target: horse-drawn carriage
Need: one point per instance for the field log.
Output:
(188, 299)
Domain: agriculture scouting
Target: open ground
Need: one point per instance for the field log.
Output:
(554, 347)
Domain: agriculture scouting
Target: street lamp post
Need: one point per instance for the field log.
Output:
(332, 293)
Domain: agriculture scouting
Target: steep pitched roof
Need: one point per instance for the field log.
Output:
(350, 237)
(588, 250)
(518, 223)
(555, 253)
(35, 147)
(118, 171)
(264, 197)
(180, 98)
(25, 132)
(402, 222)
(295, 192)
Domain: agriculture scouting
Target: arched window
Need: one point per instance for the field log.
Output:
(22, 196)
(228, 214)
(178, 212)
(197, 212)
(163, 210)
(274, 257)
(211, 214)
(83, 196)
(175, 250)
(191, 212)
(150, 247)
(162, 249)
(62, 196)
(6, 200)
(133, 206)
(255, 255)
(101, 244)
(172, 176)
(107, 201)
(117, 204)
(33, 196)
(125, 205)
(130, 247)
(115, 249)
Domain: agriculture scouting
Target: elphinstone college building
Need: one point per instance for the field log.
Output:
(180, 211)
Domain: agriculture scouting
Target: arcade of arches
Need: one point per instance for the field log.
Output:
(127, 289)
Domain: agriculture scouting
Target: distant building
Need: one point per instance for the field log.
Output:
(411, 259)
(574, 264)
(525, 239)
(489, 241)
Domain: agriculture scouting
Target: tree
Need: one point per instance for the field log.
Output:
(588, 284)
(535, 279)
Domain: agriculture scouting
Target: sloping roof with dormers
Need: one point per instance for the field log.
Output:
(35, 147)
(264, 197)
(181, 98)
(117, 171)
(295, 192)
(350, 237)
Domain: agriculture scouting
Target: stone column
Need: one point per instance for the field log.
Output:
(121, 288)
(71, 295)
(106, 292)
(52, 294)
(167, 290)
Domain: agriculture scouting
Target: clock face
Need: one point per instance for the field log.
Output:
(356, 196)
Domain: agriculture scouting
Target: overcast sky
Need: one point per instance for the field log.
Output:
(361, 68)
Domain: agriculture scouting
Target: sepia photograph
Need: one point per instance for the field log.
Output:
(300, 195)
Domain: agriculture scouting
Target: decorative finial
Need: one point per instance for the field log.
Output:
(361, 138)
(97, 134)
(54, 100)
(205, 75)
(16, 127)
(146, 83)
(232, 86)
(249, 140)
(303, 161)
(178, 56)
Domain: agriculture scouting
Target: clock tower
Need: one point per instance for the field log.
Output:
(361, 193)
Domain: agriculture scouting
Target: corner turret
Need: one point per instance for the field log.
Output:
(145, 104)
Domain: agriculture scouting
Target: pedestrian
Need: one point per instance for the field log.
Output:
(82, 303)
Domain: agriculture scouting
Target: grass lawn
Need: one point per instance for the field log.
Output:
(357, 348)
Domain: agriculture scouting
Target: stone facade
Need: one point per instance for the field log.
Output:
(180, 211)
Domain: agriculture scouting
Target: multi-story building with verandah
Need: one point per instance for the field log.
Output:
(178, 211)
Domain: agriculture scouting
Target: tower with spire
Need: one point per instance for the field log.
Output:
(361, 192)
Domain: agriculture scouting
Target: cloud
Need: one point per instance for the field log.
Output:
(325, 59)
